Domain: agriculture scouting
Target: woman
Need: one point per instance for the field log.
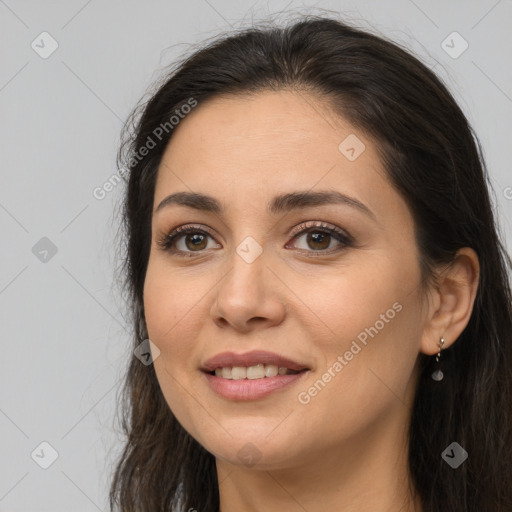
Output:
(311, 249)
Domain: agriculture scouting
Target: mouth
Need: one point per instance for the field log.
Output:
(257, 364)
(257, 371)
(250, 376)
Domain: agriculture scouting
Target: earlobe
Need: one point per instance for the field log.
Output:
(452, 306)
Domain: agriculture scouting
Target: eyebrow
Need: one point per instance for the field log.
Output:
(283, 203)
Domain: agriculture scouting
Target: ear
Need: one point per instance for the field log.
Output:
(451, 302)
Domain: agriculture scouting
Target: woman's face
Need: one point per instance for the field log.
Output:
(261, 272)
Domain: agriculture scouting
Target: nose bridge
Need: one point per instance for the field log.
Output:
(246, 291)
(247, 264)
(250, 250)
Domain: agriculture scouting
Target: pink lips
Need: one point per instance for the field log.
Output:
(250, 389)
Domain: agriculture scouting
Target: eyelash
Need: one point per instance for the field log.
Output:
(166, 242)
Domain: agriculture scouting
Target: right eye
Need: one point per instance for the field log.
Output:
(191, 239)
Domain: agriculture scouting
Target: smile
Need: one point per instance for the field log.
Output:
(258, 371)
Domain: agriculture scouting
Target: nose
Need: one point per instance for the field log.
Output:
(249, 296)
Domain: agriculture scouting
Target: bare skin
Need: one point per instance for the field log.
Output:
(343, 447)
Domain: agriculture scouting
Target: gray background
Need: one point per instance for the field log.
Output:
(64, 345)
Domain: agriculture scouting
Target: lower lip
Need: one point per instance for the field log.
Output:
(250, 389)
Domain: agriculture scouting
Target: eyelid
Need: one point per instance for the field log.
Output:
(165, 239)
(303, 226)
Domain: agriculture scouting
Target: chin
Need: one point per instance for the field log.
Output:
(257, 450)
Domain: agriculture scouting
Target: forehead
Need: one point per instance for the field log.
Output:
(249, 149)
(277, 133)
(277, 123)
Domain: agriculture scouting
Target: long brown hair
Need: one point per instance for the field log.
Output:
(434, 159)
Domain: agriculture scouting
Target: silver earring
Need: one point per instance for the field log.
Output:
(438, 374)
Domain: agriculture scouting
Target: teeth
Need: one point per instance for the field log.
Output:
(258, 371)
(226, 373)
(270, 370)
(238, 373)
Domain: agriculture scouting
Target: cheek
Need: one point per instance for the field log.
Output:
(171, 319)
(370, 336)
(169, 302)
(352, 299)
(361, 382)
(175, 307)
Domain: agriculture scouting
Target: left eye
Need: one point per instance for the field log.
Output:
(320, 239)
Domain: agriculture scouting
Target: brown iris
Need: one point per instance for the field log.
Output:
(316, 238)
(198, 241)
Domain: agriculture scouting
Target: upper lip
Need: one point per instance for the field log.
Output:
(230, 359)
